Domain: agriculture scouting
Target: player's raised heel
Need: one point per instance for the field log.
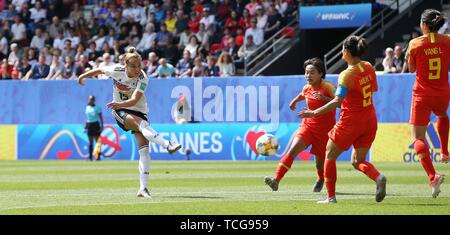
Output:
(328, 200)
(272, 182)
(173, 147)
(144, 193)
(318, 187)
(381, 188)
(436, 184)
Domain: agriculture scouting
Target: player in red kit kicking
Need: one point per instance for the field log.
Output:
(429, 57)
(357, 124)
(312, 131)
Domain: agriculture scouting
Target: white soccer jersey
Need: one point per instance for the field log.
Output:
(124, 86)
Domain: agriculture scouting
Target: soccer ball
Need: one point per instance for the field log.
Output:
(267, 145)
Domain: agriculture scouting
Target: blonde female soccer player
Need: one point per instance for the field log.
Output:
(129, 107)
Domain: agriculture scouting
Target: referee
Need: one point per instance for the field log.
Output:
(94, 124)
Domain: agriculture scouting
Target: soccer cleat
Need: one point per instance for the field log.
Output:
(444, 158)
(272, 182)
(173, 147)
(144, 193)
(328, 200)
(318, 186)
(381, 188)
(435, 185)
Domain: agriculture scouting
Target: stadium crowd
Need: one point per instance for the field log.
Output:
(60, 39)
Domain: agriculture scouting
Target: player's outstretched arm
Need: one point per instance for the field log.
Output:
(298, 98)
(332, 105)
(89, 74)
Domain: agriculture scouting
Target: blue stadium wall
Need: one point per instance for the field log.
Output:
(45, 119)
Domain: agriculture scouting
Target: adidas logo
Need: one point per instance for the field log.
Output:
(432, 141)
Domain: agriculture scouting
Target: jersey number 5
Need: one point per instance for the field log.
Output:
(367, 95)
(434, 65)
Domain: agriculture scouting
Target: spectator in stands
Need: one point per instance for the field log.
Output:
(148, 37)
(82, 66)
(399, 60)
(106, 60)
(15, 73)
(75, 14)
(48, 54)
(202, 53)
(245, 51)
(58, 42)
(184, 66)
(223, 10)
(18, 4)
(152, 65)
(203, 36)
(197, 6)
(233, 22)
(388, 61)
(232, 49)
(80, 51)
(246, 19)
(199, 69)
(4, 46)
(170, 22)
(165, 70)
(38, 13)
(56, 69)
(31, 54)
(170, 51)
(5, 70)
(38, 40)
(92, 51)
(239, 6)
(99, 39)
(209, 21)
(212, 70)
(24, 13)
(261, 18)
(226, 65)
(251, 7)
(9, 13)
(273, 22)
(226, 38)
(39, 71)
(281, 6)
(257, 33)
(67, 50)
(193, 45)
(19, 31)
(184, 38)
(162, 35)
(194, 22)
(55, 27)
(24, 67)
(240, 36)
(69, 68)
(181, 24)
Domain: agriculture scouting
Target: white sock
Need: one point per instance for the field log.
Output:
(151, 135)
(144, 166)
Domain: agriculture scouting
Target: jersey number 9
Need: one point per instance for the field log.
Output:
(434, 65)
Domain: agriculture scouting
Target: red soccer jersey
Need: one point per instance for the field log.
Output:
(430, 54)
(321, 123)
(360, 81)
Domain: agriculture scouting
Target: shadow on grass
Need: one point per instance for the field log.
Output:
(196, 197)
(364, 194)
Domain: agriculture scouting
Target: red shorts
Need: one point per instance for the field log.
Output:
(359, 131)
(318, 140)
(422, 106)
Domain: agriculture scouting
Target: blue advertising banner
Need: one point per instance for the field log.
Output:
(203, 141)
(335, 16)
(211, 100)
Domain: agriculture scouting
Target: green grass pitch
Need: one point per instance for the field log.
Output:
(208, 187)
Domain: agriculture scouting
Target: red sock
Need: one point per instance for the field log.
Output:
(330, 177)
(320, 175)
(443, 127)
(368, 169)
(424, 154)
(283, 167)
